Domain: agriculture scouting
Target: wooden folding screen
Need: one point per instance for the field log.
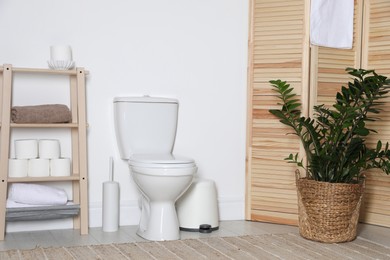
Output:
(376, 55)
(278, 50)
(371, 50)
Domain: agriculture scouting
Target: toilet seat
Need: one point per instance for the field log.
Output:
(162, 161)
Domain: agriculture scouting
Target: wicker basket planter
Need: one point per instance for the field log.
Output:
(328, 212)
(335, 153)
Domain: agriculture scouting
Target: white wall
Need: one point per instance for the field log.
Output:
(195, 51)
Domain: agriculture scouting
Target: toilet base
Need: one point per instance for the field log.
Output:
(162, 224)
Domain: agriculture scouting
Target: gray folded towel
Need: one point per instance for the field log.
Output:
(52, 113)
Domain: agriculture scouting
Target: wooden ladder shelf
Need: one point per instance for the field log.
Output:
(78, 128)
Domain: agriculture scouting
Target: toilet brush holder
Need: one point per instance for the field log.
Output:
(110, 203)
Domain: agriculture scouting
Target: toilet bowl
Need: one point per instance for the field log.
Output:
(145, 128)
(161, 183)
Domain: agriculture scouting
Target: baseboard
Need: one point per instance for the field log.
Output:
(231, 208)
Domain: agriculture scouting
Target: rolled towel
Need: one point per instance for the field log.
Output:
(50, 113)
(12, 204)
(37, 194)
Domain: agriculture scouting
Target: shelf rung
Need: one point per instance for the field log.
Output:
(47, 71)
(66, 125)
(44, 179)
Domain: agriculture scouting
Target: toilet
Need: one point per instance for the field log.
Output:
(145, 130)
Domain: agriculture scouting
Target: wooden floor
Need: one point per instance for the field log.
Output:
(69, 237)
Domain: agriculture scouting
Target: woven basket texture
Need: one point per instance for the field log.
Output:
(328, 212)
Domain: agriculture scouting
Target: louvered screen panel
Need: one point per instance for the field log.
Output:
(277, 52)
(331, 72)
(377, 56)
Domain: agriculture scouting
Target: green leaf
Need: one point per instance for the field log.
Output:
(362, 131)
(378, 146)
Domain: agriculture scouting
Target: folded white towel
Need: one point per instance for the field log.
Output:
(36, 194)
(331, 23)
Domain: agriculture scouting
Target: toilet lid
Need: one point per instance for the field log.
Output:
(161, 160)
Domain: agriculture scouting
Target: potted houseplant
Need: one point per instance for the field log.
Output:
(335, 154)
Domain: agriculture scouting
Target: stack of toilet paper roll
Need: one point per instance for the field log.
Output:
(38, 158)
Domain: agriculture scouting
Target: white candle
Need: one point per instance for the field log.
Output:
(60, 52)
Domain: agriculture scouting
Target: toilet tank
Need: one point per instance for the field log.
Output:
(145, 124)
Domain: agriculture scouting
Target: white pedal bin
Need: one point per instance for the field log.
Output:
(197, 208)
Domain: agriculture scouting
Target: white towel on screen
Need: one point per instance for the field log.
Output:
(331, 23)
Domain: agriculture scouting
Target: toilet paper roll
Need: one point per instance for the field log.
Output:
(26, 148)
(60, 167)
(110, 206)
(17, 168)
(38, 167)
(49, 149)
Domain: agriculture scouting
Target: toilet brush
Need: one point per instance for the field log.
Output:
(110, 202)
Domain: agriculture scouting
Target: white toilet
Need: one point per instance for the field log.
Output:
(145, 130)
